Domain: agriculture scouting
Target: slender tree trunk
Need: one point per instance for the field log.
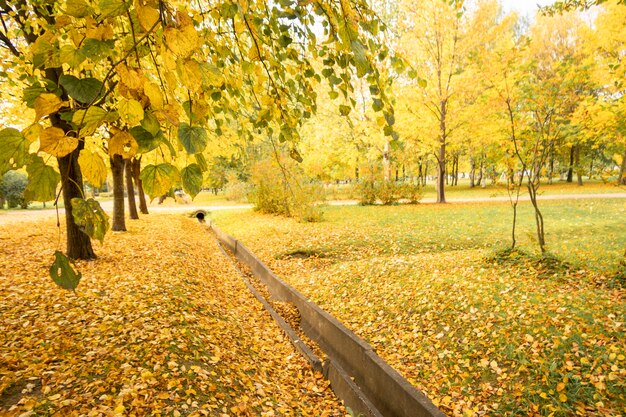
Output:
(425, 174)
(532, 192)
(472, 173)
(143, 207)
(386, 163)
(356, 173)
(591, 168)
(551, 167)
(480, 173)
(622, 172)
(130, 190)
(570, 169)
(117, 169)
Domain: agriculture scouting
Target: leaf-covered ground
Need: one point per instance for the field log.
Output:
(160, 325)
(478, 336)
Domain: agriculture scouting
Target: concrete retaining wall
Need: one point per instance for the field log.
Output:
(365, 382)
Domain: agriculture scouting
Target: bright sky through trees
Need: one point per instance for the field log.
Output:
(524, 7)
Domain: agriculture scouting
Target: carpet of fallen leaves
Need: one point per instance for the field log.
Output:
(161, 324)
(478, 337)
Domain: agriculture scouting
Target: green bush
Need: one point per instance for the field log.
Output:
(284, 191)
(12, 187)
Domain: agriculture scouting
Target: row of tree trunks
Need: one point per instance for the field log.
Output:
(131, 168)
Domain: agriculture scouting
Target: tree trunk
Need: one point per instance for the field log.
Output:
(441, 173)
(386, 163)
(78, 243)
(551, 167)
(622, 172)
(143, 207)
(130, 190)
(570, 169)
(472, 173)
(117, 169)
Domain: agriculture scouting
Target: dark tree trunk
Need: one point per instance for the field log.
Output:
(472, 173)
(117, 169)
(622, 172)
(143, 206)
(425, 173)
(570, 169)
(130, 190)
(356, 173)
(480, 174)
(78, 243)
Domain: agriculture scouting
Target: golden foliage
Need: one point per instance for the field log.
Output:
(160, 325)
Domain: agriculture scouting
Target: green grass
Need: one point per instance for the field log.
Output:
(463, 190)
(511, 334)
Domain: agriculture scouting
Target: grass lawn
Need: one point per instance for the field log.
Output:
(479, 335)
(463, 190)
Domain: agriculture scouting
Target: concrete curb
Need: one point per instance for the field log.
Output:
(366, 383)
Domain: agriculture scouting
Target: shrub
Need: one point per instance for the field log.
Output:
(366, 191)
(285, 193)
(410, 192)
(387, 192)
(12, 187)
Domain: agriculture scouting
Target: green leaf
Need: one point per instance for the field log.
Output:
(42, 180)
(360, 58)
(13, 149)
(85, 90)
(201, 161)
(159, 179)
(112, 8)
(62, 272)
(377, 104)
(71, 56)
(390, 118)
(192, 179)
(93, 118)
(78, 8)
(150, 123)
(90, 218)
(146, 140)
(96, 49)
(30, 94)
(194, 139)
(344, 110)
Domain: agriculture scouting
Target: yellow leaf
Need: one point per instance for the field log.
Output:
(153, 92)
(93, 167)
(54, 141)
(47, 103)
(560, 387)
(182, 42)
(54, 397)
(32, 132)
(562, 397)
(131, 111)
(148, 16)
(124, 144)
(190, 74)
(163, 395)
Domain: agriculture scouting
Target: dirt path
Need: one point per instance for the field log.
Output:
(16, 215)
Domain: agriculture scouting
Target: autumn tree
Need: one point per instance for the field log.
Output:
(176, 70)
